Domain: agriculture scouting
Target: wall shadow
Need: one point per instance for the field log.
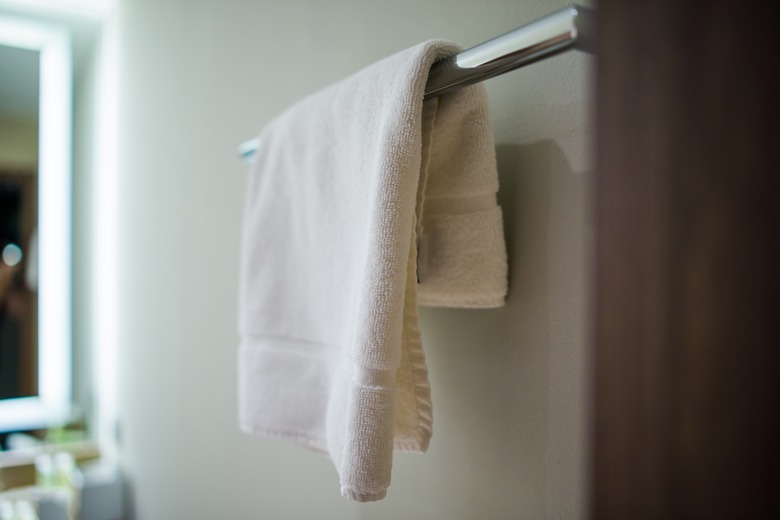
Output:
(491, 369)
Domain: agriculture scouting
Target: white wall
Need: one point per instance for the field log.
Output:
(85, 173)
(509, 385)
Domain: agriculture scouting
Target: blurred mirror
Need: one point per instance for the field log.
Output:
(19, 80)
(35, 245)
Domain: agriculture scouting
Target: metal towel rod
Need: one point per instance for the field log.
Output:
(569, 28)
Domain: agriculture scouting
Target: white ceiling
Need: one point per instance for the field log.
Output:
(19, 75)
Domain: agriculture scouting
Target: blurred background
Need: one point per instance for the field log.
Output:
(162, 93)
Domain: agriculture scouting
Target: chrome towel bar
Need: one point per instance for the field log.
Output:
(568, 28)
(562, 30)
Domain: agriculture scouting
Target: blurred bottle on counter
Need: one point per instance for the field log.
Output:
(17, 510)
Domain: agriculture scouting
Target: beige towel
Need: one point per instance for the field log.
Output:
(352, 189)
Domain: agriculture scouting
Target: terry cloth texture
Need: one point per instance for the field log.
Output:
(355, 193)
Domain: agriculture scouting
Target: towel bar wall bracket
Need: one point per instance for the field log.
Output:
(568, 28)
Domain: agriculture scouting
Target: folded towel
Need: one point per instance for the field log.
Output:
(352, 189)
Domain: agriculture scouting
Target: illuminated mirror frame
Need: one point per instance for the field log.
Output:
(52, 404)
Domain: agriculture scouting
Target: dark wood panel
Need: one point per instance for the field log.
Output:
(688, 319)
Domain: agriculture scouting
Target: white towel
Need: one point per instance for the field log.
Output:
(334, 230)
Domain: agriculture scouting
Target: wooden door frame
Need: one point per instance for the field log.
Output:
(688, 251)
